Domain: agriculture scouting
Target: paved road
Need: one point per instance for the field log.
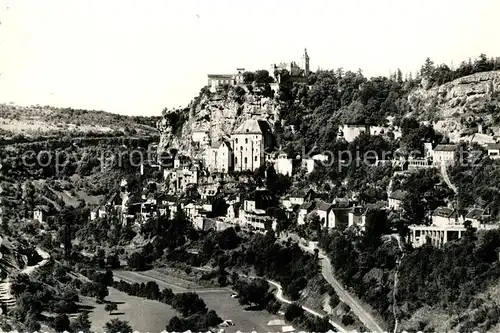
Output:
(281, 298)
(396, 280)
(6, 296)
(326, 269)
(444, 172)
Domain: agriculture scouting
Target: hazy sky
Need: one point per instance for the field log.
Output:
(136, 57)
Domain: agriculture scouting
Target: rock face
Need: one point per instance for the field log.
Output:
(218, 114)
(465, 98)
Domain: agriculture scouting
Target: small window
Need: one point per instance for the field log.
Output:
(246, 160)
(236, 140)
(256, 158)
(241, 147)
(236, 160)
(246, 140)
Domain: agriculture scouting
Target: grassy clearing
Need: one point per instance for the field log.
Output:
(142, 314)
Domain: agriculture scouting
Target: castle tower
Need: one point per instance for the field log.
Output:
(305, 60)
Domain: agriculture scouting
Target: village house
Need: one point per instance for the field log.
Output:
(355, 217)
(217, 81)
(351, 131)
(219, 157)
(298, 198)
(309, 164)
(396, 199)
(480, 219)
(304, 210)
(39, 212)
(326, 214)
(250, 141)
(379, 205)
(99, 212)
(179, 179)
(443, 154)
(253, 213)
(446, 225)
(284, 165)
(493, 150)
(200, 137)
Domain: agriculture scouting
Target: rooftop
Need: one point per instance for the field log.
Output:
(253, 126)
(493, 146)
(475, 213)
(398, 195)
(443, 212)
(324, 206)
(445, 148)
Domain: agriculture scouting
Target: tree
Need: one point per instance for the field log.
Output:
(376, 226)
(212, 319)
(255, 292)
(110, 307)
(262, 76)
(81, 323)
(293, 311)
(20, 283)
(136, 261)
(117, 326)
(188, 304)
(248, 77)
(31, 324)
(428, 68)
(102, 292)
(61, 323)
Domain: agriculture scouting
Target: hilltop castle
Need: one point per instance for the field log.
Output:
(298, 73)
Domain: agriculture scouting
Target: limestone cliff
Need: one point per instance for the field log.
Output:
(218, 114)
(454, 104)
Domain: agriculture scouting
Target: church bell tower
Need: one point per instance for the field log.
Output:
(305, 60)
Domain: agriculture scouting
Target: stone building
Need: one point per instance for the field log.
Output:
(249, 142)
(447, 225)
(298, 73)
(352, 131)
(218, 158)
(216, 81)
(443, 154)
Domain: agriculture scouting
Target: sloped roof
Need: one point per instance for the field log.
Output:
(301, 193)
(253, 126)
(324, 206)
(493, 146)
(475, 213)
(443, 212)
(308, 205)
(377, 205)
(398, 195)
(445, 148)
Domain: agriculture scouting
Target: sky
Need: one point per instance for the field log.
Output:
(137, 57)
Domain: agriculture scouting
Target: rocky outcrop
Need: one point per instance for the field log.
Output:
(219, 114)
(466, 98)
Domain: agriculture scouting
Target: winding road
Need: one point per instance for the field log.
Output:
(444, 172)
(279, 296)
(396, 275)
(5, 295)
(326, 269)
